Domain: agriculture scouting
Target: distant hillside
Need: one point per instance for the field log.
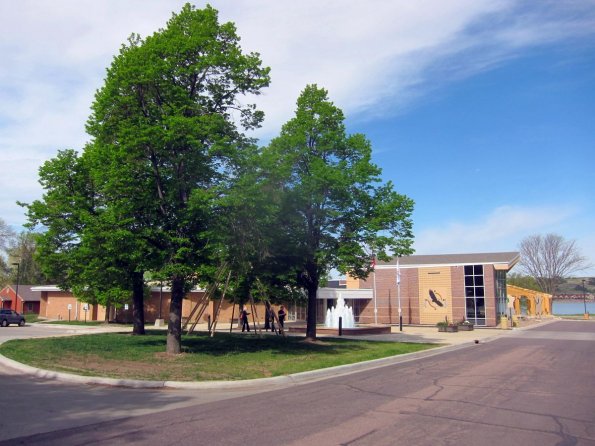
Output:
(574, 285)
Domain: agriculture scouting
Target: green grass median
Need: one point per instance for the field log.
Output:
(223, 357)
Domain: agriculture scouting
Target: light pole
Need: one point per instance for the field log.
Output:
(584, 296)
(16, 301)
(399, 295)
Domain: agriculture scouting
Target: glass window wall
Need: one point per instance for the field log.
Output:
(475, 294)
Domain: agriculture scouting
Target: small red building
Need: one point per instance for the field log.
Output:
(27, 301)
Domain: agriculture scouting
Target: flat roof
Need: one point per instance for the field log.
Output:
(346, 293)
(507, 259)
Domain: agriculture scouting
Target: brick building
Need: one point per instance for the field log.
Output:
(63, 305)
(433, 288)
(27, 301)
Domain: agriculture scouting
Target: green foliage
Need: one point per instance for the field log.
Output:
(523, 281)
(32, 318)
(166, 141)
(162, 123)
(64, 210)
(170, 184)
(82, 247)
(332, 209)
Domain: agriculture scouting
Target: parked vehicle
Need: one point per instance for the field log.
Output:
(8, 317)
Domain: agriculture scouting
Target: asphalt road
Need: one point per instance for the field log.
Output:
(33, 331)
(536, 387)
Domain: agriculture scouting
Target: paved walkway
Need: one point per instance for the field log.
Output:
(416, 333)
(450, 341)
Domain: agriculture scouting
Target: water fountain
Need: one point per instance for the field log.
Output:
(339, 311)
(348, 325)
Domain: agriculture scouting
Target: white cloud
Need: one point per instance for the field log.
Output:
(501, 230)
(374, 57)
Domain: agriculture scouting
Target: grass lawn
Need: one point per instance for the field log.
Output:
(32, 317)
(223, 357)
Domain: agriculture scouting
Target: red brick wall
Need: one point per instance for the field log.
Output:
(34, 308)
(17, 304)
(43, 304)
(489, 277)
(457, 275)
(410, 295)
(9, 304)
(55, 305)
(387, 297)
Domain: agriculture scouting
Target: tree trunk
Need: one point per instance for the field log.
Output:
(138, 304)
(174, 326)
(311, 318)
(108, 312)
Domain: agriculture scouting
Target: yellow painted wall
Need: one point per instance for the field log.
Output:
(352, 282)
(538, 303)
(435, 295)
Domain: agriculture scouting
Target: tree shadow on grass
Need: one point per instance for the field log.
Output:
(225, 344)
(219, 345)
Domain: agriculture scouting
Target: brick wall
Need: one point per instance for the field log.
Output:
(54, 305)
(457, 274)
(8, 292)
(489, 277)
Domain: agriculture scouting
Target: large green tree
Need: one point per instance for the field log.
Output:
(250, 237)
(167, 128)
(333, 209)
(83, 246)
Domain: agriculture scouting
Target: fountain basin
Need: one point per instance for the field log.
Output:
(352, 331)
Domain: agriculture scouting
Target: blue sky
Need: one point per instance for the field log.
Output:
(482, 112)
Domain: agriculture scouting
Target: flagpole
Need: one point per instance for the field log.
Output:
(399, 295)
(375, 307)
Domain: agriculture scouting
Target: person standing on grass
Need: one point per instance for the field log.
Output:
(281, 315)
(244, 317)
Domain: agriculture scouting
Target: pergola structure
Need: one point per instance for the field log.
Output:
(527, 302)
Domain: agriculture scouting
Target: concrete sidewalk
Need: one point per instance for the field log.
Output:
(80, 329)
(448, 342)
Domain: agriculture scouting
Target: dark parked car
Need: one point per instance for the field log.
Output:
(11, 317)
